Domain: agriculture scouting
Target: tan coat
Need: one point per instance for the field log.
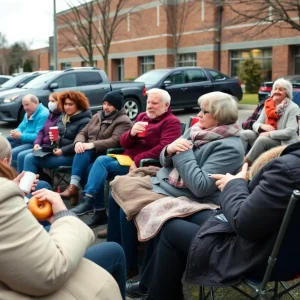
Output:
(35, 264)
(105, 133)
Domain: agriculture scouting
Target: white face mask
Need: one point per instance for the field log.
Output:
(52, 106)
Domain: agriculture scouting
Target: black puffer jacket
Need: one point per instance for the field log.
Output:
(68, 133)
(221, 252)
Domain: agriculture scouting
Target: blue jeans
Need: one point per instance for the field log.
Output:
(17, 147)
(82, 160)
(103, 168)
(33, 163)
(110, 256)
(123, 232)
(21, 159)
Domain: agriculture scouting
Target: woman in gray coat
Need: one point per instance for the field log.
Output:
(277, 124)
(211, 146)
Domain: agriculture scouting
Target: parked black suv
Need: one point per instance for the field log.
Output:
(93, 82)
(186, 84)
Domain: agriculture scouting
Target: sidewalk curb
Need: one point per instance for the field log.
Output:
(247, 106)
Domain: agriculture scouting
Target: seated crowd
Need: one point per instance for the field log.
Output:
(201, 190)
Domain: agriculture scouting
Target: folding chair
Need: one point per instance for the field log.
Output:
(61, 173)
(192, 121)
(277, 270)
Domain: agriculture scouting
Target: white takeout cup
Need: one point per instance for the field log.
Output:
(27, 181)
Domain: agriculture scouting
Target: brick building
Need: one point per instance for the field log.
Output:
(144, 41)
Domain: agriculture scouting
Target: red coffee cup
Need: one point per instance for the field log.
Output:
(143, 133)
(54, 131)
(194, 121)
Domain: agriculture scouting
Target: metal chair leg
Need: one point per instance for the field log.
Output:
(201, 293)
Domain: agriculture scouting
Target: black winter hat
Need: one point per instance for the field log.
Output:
(115, 98)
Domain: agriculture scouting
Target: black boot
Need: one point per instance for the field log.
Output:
(135, 290)
(98, 218)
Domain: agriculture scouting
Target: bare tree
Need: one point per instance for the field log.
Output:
(280, 13)
(17, 54)
(3, 51)
(92, 25)
(77, 30)
(177, 12)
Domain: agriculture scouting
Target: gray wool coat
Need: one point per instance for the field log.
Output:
(287, 125)
(216, 157)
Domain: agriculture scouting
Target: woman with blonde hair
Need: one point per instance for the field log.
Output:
(212, 145)
(54, 260)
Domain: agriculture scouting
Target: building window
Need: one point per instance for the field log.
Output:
(65, 65)
(297, 60)
(262, 56)
(187, 60)
(119, 69)
(147, 63)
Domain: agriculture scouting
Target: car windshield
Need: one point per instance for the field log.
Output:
(13, 81)
(152, 77)
(40, 81)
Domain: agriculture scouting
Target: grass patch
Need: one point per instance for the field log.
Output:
(249, 99)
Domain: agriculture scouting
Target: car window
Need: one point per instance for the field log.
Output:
(2, 80)
(29, 79)
(66, 80)
(88, 78)
(195, 76)
(176, 78)
(216, 75)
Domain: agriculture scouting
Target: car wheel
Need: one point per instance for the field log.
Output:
(21, 115)
(132, 107)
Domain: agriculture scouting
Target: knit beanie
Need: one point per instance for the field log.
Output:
(115, 98)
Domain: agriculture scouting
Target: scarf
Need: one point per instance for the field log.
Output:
(282, 106)
(200, 137)
(104, 117)
(66, 118)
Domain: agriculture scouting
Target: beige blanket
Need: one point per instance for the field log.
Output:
(134, 191)
(152, 217)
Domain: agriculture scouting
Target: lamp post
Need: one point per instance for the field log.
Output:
(54, 36)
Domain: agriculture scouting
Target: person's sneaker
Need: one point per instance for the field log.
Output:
(83, 208)
(133, 289)
(98, 218)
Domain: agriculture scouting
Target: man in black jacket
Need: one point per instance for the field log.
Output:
(236, 240)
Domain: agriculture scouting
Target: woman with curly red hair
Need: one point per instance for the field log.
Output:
(75, 115)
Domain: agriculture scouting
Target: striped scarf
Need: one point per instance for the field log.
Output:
(200, 137)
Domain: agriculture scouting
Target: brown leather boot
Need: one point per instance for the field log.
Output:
(71, 192)
(102, 234)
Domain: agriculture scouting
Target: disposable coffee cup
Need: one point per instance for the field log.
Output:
(54, 131)
(27, 181)
(143, 133)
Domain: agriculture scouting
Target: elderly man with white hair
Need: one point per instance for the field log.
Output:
(162, 129)
(23, 136)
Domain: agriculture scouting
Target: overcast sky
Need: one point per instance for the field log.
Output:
(30, 21)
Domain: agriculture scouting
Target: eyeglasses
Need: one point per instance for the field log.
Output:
(204, 111)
